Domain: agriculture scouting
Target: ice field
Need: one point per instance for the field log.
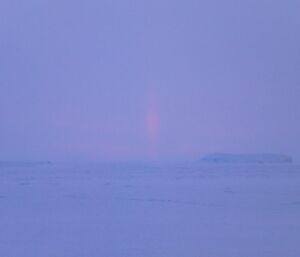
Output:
(149, 210)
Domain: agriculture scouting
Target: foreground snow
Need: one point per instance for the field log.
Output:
(150, 210)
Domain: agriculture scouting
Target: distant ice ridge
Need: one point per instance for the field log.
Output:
(246, 158)
(23, 163)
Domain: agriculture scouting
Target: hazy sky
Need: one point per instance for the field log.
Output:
(126, 79)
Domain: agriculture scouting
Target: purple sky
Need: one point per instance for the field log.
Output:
(127, 79)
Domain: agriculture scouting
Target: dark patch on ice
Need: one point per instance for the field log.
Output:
(25, 184)
(295, 203)
(167, 201)
(76, 196)
(228, 191)
(25, 181)
(129, 186)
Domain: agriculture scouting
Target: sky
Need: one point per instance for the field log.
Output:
(134, 79)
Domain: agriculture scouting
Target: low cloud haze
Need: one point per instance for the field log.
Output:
(125, 79)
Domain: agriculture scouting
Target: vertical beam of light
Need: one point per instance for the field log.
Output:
(152, 119)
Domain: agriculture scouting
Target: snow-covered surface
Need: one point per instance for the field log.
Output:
(247, 158)
(187, 210)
